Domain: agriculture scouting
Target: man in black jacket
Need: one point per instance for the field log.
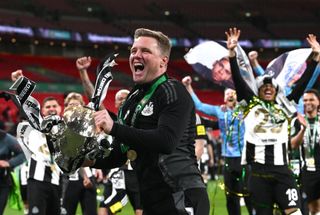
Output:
(156, 129)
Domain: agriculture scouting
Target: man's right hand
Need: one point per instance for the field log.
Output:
(302, 120)
(253, 55)
(314, 44)
(187, 81)
(103, 121)
(232, 38)
(83, 63)
(16, 75)
(87, 183)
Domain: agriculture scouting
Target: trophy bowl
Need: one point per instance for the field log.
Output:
(80, 120)
(78, 139)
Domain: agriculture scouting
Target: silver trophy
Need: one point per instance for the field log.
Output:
(73, 138)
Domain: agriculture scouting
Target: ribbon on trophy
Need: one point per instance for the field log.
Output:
(28, 105)
(104, 77)
(22, 98)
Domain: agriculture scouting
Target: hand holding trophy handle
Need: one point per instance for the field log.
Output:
(48, 125)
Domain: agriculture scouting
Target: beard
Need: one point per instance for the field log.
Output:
(310, 108)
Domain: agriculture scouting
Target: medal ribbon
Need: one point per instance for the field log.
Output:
(311, 141)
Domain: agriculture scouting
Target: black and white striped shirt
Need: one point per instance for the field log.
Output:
(266, 141)
(42, 167)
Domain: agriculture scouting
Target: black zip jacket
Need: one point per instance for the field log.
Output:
(163, 137)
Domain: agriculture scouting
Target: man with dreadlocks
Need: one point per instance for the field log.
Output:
(266, 136)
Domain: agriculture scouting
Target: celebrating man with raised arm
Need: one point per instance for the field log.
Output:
(267, 121)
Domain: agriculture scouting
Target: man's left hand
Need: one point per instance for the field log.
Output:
(87, 183)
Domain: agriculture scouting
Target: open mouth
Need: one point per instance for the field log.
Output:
(268, 93)
(138, 66)
(308, 106)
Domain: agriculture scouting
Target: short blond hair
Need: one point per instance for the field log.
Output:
(162, 39)
(120, 92)
(75, 96)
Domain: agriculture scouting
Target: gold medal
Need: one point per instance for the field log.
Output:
(53, 168)
(131, 155)
(310, 162)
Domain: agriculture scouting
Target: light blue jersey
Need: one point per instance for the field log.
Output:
(233, 143)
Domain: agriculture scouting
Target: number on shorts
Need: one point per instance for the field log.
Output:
(292, 194)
